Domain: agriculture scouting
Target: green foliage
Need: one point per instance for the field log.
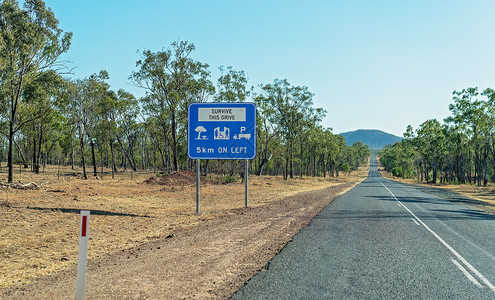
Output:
(459, 151)
(345, 167)
(47, 118)
(232, 86)
(229, 179)
(30, 45)
(397, 172)
(172, 81)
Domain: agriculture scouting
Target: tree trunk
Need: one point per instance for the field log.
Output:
(286, 169)
(126, 155)
(114, 169)
(262, 165)
(21, 154)
(175, 147)
(10, 160)
(72, 157)
(38, 155)
(291, 154)
(83, 161)
(36, 167)
(93, 158)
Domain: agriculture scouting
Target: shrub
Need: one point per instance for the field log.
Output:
(397, 172)
(230, 179)
(345, 168)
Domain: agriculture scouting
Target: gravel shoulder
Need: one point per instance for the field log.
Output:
(211, 260)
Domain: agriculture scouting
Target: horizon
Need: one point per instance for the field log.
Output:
(384, 57)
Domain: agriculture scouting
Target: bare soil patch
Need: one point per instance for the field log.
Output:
(211, 260)
(180, 178)
(132, 220)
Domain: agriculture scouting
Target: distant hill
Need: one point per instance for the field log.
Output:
(375, 139)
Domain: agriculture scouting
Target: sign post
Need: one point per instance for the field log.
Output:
(221, 131)
(246, 176)
(82, 260)
(198, 170)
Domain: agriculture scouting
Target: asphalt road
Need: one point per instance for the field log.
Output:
(385, 240)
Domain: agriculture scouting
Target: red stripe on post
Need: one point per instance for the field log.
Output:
(84, 225)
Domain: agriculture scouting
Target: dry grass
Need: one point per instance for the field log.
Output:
(39, 228)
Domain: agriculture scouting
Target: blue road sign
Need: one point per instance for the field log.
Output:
(221, 131)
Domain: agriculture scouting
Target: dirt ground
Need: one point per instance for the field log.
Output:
(146, 241)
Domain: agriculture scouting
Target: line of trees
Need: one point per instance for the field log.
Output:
(47, 118)
(461, 150)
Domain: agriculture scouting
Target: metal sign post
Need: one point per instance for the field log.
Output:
(221, 131)
(197, 184)
(246, 176)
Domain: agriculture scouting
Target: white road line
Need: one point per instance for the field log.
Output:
(456, 233)
(416, 222)
(466, 273)
(452, 250)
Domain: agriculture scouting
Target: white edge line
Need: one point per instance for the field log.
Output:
(452, 250)
(466, 273)
(416, 222)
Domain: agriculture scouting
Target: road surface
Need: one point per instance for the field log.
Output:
(385, 240)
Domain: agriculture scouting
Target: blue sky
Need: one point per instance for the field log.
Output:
(371, 64)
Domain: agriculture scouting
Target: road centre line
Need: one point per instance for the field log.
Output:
(466, 273)
(452, 250)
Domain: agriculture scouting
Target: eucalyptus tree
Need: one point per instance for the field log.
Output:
(76, 111)
(120, 110)
(42, 98)
(232, 86)
(490, 95)
(30, 45)
(94, 91)
(153, 127)
(127, 110)
(70, 116)
(266, 131)
(315, 146)
(430, 144)
(291, 110)
(472, 116)
(326, 148)
(334, 157)
(172, 80)
(398, 158)
(362, 153)
(128, 129)
(107, 109)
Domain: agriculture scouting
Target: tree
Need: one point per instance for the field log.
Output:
(266, 131)
(232, 86)
(42, 98)
(473, 117)
(172, 80)
(291, 109)
(125, 118)
(31, 44)
(430, 144)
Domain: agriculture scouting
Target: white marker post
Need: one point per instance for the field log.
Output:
(82, 260)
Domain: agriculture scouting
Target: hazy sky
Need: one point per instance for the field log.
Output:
(371, 64)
